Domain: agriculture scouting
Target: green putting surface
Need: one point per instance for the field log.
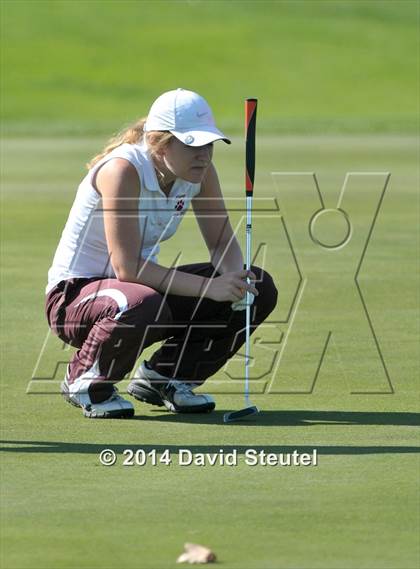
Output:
(334, 369)
(358, 508)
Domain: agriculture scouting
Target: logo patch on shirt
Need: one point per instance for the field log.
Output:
(179, 206)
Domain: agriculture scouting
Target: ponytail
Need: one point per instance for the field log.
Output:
(131, 135)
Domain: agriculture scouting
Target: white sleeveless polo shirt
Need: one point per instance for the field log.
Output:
(82, 250)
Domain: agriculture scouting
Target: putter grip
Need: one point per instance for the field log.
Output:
(250, 127)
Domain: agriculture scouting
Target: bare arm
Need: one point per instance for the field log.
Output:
(225, 252)
(213, 220)
(118, 183)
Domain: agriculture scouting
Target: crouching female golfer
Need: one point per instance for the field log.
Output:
(108, 296)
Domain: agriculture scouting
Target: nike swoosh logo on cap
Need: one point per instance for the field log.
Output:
(199, 115)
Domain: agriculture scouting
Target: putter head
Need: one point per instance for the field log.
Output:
(241, 414)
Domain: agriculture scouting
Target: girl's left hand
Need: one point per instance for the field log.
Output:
(242, 304)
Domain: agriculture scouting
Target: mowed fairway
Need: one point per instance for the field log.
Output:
(317, 66)
(357, 509)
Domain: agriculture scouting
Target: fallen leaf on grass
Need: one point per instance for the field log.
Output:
(194, 553)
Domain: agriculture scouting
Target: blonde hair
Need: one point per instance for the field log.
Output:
(133, 134)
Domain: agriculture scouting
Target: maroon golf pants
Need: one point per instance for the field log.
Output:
(111, 322)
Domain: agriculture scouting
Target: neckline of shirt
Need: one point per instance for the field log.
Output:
(150, 178)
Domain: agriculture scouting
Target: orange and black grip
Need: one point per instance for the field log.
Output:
(250, 128)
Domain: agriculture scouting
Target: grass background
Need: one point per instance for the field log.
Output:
(74, 65)
(338, 90)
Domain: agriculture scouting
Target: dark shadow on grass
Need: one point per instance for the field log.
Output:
(263, 419)
(58, 447)
(293, 418)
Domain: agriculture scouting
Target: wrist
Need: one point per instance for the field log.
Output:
(207, 287)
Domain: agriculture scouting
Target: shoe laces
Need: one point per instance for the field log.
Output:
(181, 387)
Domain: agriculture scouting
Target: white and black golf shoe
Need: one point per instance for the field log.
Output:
(77, 394)
(177, 396)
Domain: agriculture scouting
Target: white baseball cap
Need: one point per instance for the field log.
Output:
(186, 115)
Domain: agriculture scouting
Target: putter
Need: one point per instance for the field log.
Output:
(250, 128)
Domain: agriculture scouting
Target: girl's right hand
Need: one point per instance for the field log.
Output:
(231, 287)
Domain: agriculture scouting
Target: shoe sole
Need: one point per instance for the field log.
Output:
(118, 414)
(146, 394)
(206, 408)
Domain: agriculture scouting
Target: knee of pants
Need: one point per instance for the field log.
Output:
(152, 310)
(267, 298)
